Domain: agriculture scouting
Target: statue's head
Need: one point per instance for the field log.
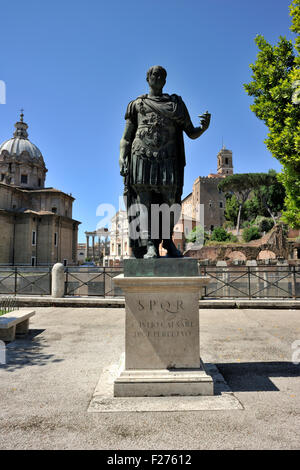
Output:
(156, 75)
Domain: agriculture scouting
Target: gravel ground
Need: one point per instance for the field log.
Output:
(50, 376)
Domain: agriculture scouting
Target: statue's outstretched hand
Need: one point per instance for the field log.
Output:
(205, 120)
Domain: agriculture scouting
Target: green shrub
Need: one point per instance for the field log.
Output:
(258, 219)
(233, 238)
(219, 234)
(266, 224)
(228, 224)
(246, 224)
(197, 235)
(251, 233)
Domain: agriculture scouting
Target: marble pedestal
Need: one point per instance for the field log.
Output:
(162, 352)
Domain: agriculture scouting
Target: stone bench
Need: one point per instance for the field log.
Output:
(15, 322)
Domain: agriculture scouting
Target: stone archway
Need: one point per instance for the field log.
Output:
(266, 254)
(237, 255)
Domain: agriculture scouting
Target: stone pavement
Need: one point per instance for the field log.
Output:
(48, 383)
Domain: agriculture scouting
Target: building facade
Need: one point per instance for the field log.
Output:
(119, 240)
(36, 224)
(206, 196)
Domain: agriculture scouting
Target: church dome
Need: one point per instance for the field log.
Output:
(19, 145)
(21, 162)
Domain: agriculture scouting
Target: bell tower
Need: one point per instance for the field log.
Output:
(225, 165)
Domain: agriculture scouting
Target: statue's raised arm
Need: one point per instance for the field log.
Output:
(195, 132)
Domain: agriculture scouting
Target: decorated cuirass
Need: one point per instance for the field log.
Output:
(155, 136)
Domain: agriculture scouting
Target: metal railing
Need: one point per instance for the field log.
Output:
(27, 280)
(249, 282)
(92, 281)
(252, 282)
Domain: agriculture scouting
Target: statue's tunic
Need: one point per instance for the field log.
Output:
(157, 157)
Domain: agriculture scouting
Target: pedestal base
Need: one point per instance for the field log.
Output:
(164, 382)
(162, 354)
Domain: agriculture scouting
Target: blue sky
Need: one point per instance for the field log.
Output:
(74, 66)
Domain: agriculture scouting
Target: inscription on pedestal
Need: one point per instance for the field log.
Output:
(162, 331)
(170, 328)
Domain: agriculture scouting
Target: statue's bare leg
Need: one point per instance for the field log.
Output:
(168, 243)
(144, 200)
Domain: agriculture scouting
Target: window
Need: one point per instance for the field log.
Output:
(119, 249)
(24, 179)
(211, 227)
(54, 210)
(221, 204)
(2, 176)
(33, 240)
(226, 161)
(55, 238)
(65, 262)
(39, 182)
(33, 261)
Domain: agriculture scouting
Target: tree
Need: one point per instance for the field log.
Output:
(231, 209)
(275, 87)
(269, 192)
(252, 208)
(252, 194)
(240, 186)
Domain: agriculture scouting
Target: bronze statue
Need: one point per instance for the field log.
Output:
(152, 159)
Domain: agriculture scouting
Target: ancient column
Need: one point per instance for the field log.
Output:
(93, 247)
(87, 246)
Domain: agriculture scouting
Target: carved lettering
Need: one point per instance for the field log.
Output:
(172, 307)
(166, 319)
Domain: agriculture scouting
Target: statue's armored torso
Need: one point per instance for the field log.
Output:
(155, 136)
(154, 151)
